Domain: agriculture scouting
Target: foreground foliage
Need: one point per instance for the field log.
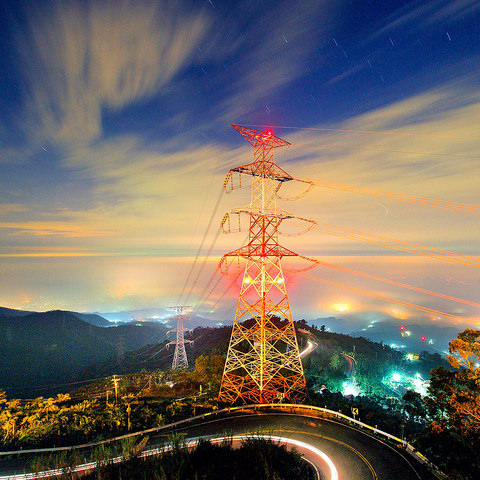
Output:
(70, 419)
(452, 407)
(255, 459)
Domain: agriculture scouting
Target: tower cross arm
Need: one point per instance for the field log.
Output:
(268, 170)
(252, 250)
(257, 137)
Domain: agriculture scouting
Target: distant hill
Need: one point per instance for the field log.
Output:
(163, 315)
(206, 341)
(40, 350)
(92, 318)
(332, 324)
(11, 312)
(437, 337)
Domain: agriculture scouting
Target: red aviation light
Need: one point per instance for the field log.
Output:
(402, 328)
(422, 338)
(269, 132)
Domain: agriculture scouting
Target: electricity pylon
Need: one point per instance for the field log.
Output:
(180, 360)
(263, 362)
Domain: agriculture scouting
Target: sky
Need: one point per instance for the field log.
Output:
(115, 139)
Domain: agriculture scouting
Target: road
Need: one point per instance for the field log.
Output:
(355, 455)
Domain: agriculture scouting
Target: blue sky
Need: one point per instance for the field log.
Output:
(115, 137)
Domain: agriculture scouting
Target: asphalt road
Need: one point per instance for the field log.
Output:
(356, 455)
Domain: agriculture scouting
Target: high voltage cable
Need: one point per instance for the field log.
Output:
(204, 202)
(204, 295)
(414, 199)
(201, 244)
(410, 247)
(384, 298)
(202, 266)
(373, 132)
(390, 150)
(224, 293)
(399, 284)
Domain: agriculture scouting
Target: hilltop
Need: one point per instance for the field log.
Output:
(41, 350)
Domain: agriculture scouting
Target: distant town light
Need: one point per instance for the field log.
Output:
(340, 307)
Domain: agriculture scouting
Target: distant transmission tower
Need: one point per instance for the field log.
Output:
(180, 360)
(263, 362)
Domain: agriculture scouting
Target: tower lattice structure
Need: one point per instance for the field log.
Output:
(263, 362)
(180, 360)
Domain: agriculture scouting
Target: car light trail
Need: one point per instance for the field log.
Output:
(315, 452)
(297, 443)
(310, 346)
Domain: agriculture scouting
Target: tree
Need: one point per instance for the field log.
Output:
(454, 396)
(209, 369)
(453, 405)
(414, 405)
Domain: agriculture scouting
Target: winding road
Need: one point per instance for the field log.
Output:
(355, 454)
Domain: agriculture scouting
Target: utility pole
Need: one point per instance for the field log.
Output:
(263, 362)
(115, 386)
(180, 360)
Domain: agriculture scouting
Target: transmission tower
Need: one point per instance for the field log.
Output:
(263, 362)
(180, 360)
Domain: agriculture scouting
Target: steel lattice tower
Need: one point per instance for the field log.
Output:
(180, 360)
(263, 362)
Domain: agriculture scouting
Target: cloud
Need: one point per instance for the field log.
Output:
(426, 145)
(81, 58)
(274, 52)
(427, 14)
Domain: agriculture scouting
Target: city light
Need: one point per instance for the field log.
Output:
(340, 307)
(350, 389)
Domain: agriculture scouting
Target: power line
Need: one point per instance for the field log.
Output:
(414, 199)
(217, 204)
(384, 298)
(399, 284)
(402, 245)
(374, 132)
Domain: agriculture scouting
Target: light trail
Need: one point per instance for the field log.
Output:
(372, 132)
(86, 467)
(399, 284)
(354, 450)
(310, 347)
(413, 199)
(385, 298)
(402, 245)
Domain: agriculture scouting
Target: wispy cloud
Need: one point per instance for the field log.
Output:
(427, 14)
(80, 58)
(275, 52)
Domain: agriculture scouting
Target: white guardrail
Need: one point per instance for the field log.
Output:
(271, 406)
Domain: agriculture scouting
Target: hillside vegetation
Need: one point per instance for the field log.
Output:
(41, 350)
